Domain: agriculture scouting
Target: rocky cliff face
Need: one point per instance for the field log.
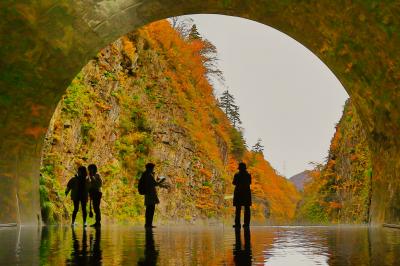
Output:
(340, 190)
(144, 98)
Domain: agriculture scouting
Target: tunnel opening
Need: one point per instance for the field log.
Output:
(112, 115)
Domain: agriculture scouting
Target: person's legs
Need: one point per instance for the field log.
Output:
(237, 216)
(246, 216)
(150, 214)
(75, 211)
(84, 213)
(96, 207)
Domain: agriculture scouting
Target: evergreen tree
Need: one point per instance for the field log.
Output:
(194, 33)
(235, 116)
(228, 105)
(226, 101)
(258, 147)
(188, 30)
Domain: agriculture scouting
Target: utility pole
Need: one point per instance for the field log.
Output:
(284, 169)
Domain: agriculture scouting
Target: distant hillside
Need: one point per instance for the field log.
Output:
(340, 189)
(300, 179)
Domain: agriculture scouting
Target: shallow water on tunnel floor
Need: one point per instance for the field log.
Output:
(216, 245)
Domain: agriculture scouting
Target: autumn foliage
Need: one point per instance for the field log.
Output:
(340, 190)
(146, 97)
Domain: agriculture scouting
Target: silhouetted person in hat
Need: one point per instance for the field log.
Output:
(95, 192)
(79, 187)
(242, 195)
(150, 196)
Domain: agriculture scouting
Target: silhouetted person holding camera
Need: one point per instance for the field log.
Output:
(79, 187)
(242, 195)
(95, 192)
(150, 196)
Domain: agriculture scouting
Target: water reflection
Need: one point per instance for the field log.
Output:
(150, 252)
(298, 247)
(83, 253)
(127, 245)
(242, 256)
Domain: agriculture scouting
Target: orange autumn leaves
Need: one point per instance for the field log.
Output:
(183, 67)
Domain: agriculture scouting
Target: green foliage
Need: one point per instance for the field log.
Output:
(139, 119)
(85, 129)
(45, 184)
(238, 144)
(315, 213)
(207, 184)
(110, 75)
(76, 98)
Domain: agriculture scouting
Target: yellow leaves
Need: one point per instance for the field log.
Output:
(129, 48)
(135, 137)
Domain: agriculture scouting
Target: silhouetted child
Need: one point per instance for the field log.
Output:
(150, 196)
(95, 192)
(79, 187)
(242, 195)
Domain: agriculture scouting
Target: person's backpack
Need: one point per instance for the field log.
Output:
(142, 185)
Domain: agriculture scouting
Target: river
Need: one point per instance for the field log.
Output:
(214, 245)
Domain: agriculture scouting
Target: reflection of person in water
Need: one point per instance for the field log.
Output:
(242, 256)
(95, 251)
(150, 252)
(78, 255)
(83, 256)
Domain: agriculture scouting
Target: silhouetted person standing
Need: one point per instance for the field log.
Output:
(150, 196)
(79, 187)
(242, 195)
(95, 192)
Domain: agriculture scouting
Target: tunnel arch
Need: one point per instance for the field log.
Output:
(44, 45)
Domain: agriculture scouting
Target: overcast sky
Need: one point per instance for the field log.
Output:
(287, 96)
